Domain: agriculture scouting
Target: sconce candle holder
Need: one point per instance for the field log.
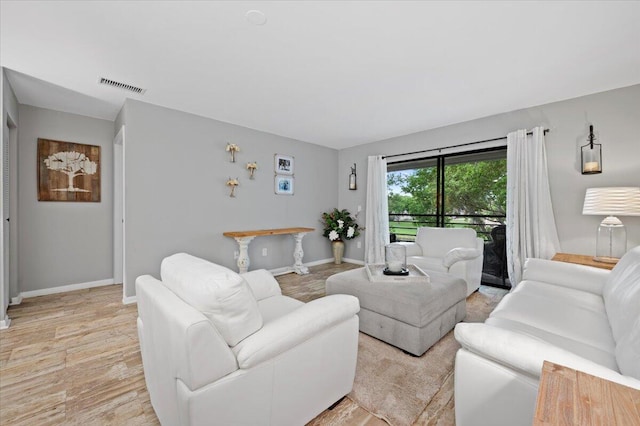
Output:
(591, 155)
(352, 178)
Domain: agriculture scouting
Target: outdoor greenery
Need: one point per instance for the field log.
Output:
(474, 188)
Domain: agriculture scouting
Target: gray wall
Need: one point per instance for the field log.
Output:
(63, 243)
(616, 118)
(176, 199)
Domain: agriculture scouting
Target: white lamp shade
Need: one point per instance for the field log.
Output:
(612, 201)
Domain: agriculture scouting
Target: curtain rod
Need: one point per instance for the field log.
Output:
(454, 146)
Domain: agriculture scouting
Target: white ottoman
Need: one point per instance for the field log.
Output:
(409, 315)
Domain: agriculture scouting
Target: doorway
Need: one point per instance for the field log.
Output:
(118, 213)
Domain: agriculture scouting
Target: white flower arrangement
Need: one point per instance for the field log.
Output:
(333, 235)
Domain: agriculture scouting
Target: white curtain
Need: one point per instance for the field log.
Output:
(377, 219)
(531, 226)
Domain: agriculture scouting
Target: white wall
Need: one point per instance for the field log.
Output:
(63, 243)
(615, 115)
(176, 199)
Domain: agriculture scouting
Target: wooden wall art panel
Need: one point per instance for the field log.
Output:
(68, 171)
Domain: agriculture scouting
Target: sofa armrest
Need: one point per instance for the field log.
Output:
(262, 284)
(295, 328)
(413, 249)
(526, 354)
(458, 254)
(579, 277)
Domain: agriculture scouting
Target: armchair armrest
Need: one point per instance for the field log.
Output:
(262, 284)
(295, 328)
(413, 249)
(579, 277)
(458, 254)
(526, 354)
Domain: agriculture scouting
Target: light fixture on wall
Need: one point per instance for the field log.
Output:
(352, 178)
(591, 155)
(611, 242)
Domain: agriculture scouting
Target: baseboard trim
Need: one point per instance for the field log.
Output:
(289, 269)
(16, 300)
(65, 288)
(128, 300)
(5, 323)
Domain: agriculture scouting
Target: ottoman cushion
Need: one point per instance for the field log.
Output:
(413, 303)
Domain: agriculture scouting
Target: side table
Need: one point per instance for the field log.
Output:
(570, 397)
(582, 259)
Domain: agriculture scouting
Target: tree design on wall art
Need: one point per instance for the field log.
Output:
(68, 171)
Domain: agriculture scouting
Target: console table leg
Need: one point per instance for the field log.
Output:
(243, 257)
(298, 267)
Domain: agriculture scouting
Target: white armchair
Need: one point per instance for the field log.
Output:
(231, 349)
(456, 251)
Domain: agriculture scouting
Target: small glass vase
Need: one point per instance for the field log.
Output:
(395, 259)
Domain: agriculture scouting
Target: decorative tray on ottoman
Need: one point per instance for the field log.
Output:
(374, 271)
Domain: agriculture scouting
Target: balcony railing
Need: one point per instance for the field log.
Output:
(405, 225)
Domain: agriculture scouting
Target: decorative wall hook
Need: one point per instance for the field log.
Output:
(232, 183)
(252, 167)
(232, 148)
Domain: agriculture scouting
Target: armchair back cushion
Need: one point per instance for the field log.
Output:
(222, 295)
(437, 242)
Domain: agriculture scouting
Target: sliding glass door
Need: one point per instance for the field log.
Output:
(465, 190)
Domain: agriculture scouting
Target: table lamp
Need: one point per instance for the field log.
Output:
(611, 242)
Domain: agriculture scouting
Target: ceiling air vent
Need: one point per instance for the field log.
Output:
(123, 86)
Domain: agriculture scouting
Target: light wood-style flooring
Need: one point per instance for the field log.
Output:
(74, 358)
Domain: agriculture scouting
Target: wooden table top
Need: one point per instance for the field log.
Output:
(262, 232)
(570, 397)
(582, 259)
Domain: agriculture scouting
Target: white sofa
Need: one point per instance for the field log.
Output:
(229, 349)
(456, 251)
(577, 316)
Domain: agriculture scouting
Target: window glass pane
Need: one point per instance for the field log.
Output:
(475, 194)
(412, 201)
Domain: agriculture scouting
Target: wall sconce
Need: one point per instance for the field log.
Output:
(352, 178)
(591, 155)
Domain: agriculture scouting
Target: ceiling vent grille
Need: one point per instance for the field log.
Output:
(123, 86)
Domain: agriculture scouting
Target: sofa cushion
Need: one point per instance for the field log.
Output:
(436, 242)
(583, 349)
(621, 294)
(541, 309)
(222, 295)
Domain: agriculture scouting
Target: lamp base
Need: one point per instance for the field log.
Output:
(606, 259)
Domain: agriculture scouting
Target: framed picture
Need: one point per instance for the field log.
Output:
(68, 171)
(283, 164)
(283, 185)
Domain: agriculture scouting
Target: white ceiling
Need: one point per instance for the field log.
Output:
(332, 73)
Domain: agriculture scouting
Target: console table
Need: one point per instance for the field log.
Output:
(244, 238)
(570, 397)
